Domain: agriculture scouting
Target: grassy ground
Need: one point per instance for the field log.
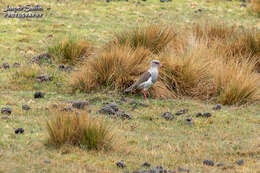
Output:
(229, 135)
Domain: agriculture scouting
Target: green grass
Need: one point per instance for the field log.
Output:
(229, 135)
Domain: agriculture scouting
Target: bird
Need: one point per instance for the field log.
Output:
(147, 79)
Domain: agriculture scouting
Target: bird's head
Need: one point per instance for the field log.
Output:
(156, 63)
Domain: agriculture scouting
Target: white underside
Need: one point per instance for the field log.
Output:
(146, 85)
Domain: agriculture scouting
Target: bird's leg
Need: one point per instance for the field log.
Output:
(144, 95)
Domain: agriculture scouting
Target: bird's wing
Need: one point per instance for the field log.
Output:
(143, 78)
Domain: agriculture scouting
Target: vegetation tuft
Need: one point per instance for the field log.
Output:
(79, 130)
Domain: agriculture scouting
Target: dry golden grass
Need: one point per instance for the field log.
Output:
(153, 37)
(256, 5)
(206, 64)
(70, 50)
(117, 68)
(79, 130)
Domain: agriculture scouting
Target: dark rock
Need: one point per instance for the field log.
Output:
(80, 104)
(114, 106)
(120, 164)
(220, 164)
(47, 161)
(62, 67)
(143, 104)
(4, 117)
(107, 110)
(180, 112)
(6, 110)
(43, 78)
(146, 164)
(198, 10)
(240, 162)
(189, 121)
(243, 5)
(208, 162)
(67, 109)
(41, 58)
(123, 115)
(26, 107)
(183, 170)
(39, 94)
(206, 115)
(134, 107)
(217, 107)
(19, 130)
(16, 65)
(108, 0)
(167, 116)
(6, 65)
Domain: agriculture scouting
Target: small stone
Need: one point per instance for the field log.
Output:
(16, 65)
(61, 67)
(43, 78)
(167, 116)
(220, 164)
(120, 164)
(243, 5)
(41, 58)
(189, 121)
(47, 161)
(6, 110)
(79, 104)
(143, 104)
(240, 162)
(146, 164)
(123, 115)
(183, 170)
(67, 109)
(39, 94)
(217, 107)
(6, 65)
(19, 130)
(208, 162)
(25, 107)
(114, 106)
(180, 112)
(107, 110)
(206, 115)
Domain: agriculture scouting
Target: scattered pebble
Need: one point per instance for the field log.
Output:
(189, 121)
(47, 161)
(120, 164)
(217, 107)
(107, 110)
(62, 67)
(6, 110)
(180, 112)
(39, 94)
(41, 58)
(243, 5)
(26, 107)
(183, 170)
(80, 104)
(123, 115)
(167, 116)
(206, 115)
(43, 78)
(6, 65)
(16, 65)
(67, 109)
(240, 162)
(208, 162)
(220, 164)
(146, 164)
(19, 130)
(114, 106)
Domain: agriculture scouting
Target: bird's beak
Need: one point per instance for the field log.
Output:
(160, 65)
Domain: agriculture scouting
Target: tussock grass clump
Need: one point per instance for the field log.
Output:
(70, 50)
(237, 83)
(117, 68)
(256, 5)
(153, 37)
(79, 130)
